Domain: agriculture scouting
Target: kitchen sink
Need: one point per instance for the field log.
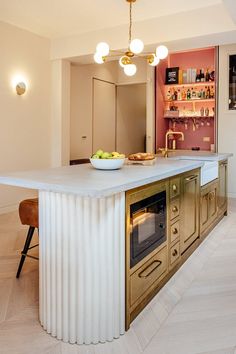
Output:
(209, 170)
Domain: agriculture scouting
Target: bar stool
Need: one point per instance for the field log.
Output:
(28, 212)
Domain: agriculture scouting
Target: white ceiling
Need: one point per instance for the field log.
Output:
(61, 18)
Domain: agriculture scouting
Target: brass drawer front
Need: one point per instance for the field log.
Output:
(174, 231)
(174, 208)
(174, 253)
(174, 187)
(146, 275)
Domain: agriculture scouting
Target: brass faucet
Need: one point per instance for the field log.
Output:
(165, 151)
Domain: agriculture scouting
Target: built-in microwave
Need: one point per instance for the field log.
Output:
(147, 224)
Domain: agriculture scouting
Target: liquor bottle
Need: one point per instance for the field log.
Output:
(188, 95)
(198, 78)
(202, 112)
(202, 75)
(193, 94)
(212, 93)
(179, 96)
(207, 75)
(183, 94)
(200, 94)
(168, 96)
(207, 112)
(208, 93)
(175, 95)
(205, 92)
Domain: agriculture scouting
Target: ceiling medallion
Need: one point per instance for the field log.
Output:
(135, 49)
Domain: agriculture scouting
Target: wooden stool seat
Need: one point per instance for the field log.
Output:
(28, 212)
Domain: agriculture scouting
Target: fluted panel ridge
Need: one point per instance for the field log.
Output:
(82, 266)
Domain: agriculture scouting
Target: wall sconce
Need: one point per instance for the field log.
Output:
(20, 88)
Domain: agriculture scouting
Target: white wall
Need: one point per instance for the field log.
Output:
(25, 136)
(227, 119)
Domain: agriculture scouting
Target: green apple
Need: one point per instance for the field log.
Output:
(95, 156)
(99, 152)
(106, 155)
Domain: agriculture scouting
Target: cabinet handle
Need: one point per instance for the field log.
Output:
(190, 178)
(174, 209)
(143, 275)
(175, 252)
(175, 231)
(174, 187)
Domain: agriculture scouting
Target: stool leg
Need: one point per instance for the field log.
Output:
(25, 249)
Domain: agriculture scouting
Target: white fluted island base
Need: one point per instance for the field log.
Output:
(82, 266)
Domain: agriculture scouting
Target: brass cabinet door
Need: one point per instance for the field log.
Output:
(212, 203)
(190, 209)
(204, 215)
(222, 196)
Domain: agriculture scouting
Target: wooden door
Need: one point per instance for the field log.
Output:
(104, 116)
(190, 209)
(222, 195)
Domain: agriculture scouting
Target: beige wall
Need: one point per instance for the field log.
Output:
(131, 118)
(24, 120)
(81, 104)
(81, 99)
(227, 119)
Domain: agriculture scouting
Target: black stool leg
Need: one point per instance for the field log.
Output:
(25, 249)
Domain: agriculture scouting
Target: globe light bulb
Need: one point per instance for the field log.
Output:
(98, 58)
(130, 69)
(154, 60)
(161, 52)
(103, 49)
(124, 61)
(136, 46)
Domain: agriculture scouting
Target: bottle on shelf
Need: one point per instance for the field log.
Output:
(212, 92)
(208, 93)
(184, 95)
(202, 75)
(179, 96)
(168, 96)
(193, 94)
(198, 77)
(207, 75)
(188, 94)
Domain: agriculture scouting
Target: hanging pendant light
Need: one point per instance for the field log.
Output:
(135, 49)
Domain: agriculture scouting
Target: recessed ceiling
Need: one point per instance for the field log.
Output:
(61, 18)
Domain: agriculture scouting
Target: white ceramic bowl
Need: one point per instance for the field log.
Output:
(107, 164)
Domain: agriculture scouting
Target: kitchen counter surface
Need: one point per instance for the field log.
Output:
(85, 181)
(199, 155)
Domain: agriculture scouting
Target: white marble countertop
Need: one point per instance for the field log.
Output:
(84, 180)
(199, 155)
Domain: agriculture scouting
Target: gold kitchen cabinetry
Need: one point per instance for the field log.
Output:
(208, 205)
(189, 209)
(174, 222)
(222, 192)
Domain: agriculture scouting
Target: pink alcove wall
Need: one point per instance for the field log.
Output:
(203, 58)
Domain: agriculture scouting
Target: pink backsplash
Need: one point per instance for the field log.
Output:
(194, 59)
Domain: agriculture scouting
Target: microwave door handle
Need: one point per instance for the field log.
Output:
(145, 274)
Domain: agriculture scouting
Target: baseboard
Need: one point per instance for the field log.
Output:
(232, 195)
(8, 209)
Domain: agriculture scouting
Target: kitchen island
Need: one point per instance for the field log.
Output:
(82, 220)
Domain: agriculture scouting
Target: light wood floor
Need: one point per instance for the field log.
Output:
(195, 313)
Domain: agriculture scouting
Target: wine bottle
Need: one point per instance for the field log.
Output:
(207, 75)
(202, 75)
(188, 95)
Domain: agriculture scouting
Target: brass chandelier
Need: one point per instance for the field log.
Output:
(135, 49)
